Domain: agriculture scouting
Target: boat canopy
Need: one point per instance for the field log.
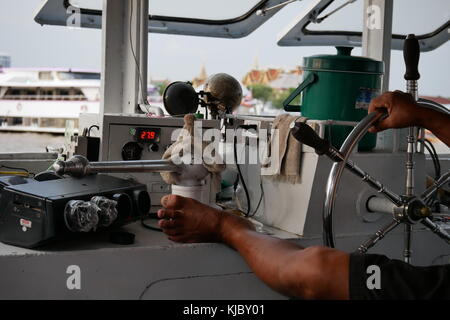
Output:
(238, 18)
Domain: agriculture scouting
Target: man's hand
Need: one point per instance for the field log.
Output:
(187, 220)
(402, 110)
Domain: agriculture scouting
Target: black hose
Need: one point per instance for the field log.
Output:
(241, 177)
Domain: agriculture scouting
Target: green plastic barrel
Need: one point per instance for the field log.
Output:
(338, 87)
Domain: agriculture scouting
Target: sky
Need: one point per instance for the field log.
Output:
(181, 57)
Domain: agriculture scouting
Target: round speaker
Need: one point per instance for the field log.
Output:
(180, 98)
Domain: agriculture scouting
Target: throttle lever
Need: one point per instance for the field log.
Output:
(306, 135)
(411, 54)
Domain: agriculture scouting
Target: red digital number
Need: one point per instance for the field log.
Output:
(148, 135)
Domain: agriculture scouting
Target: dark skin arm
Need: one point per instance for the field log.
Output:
(307, 273)
(311, 273)
(405, 112)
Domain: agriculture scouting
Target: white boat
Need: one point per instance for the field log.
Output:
(42, 100)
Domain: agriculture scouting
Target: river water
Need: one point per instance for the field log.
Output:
(29, 142)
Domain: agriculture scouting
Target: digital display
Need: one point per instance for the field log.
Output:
(148, 134)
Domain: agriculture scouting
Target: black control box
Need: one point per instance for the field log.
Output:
(33, 212)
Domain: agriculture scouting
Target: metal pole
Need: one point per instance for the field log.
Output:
(411, 54)
(79, 166)
(380, 234)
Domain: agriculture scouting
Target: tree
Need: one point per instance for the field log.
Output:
(162, 86)
(278, 98)
(261, 92)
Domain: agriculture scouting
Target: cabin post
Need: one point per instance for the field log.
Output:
(377, 34)
(376, 44)
(124, 57)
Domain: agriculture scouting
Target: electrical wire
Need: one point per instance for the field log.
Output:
(144, 101)
(260, 199)
(14, 173)
(26, 172)
(437, 166)
(147, 226)
(90, 128)
(241, 177)
(434, 156)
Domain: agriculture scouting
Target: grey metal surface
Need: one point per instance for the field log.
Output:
(152, 268)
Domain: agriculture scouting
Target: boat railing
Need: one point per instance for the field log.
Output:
(77, 97)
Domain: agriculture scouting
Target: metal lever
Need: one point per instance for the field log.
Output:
(79, 166)
(306, 135)
(411, 55)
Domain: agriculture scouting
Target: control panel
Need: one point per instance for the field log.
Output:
(138, 137)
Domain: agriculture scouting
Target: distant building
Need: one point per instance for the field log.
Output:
(440, 100)
(275, 78)
(201, 78)
(5, 61)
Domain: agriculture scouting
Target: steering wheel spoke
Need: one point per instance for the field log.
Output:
(374, 183)
(436, 229)
(436, 185)
(380, 234)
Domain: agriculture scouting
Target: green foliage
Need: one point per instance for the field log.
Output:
(162, 86)
(278, 98)
(275, 97)
(261, 92)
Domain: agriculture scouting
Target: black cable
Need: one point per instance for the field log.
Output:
(436, 157)
(241, 177)
(141, 82)
(436, 168)
(147, 226)
(90, 128)
(260, 199)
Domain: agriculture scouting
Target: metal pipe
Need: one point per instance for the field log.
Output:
(79, 166)
(380, 234)
(429, 104)
(377, 204)
(372, 182)
(436, 229)
(336, 173)
(436, 185)
(411, 88)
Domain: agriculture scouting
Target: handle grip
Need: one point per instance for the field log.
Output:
(306, 135)
(411, 54)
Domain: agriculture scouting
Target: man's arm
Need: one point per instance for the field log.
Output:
(404, 112)
(311, 273)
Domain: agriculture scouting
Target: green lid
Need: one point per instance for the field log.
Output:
(343, 62)
(198, 115)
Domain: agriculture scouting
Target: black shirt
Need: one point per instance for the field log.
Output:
(374, 276)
